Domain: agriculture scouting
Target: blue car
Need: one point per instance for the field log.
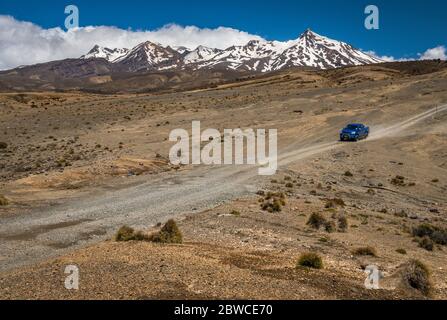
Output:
(354, 132)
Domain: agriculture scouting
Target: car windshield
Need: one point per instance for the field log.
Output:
(353, 126)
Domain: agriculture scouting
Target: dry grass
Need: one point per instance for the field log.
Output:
(334, 203)
(273, 202)
(343, 224)
(434, 233)
(426, 243)
(126, 233)
(316, 220)
(365, 251)
(310, 260)
(3, 201)
(170, 233)
(417, 276)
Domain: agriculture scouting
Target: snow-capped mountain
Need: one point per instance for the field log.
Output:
(181, 49)
(247, 57)
(150, 56)
(201, 54)
(309, 50)
(313, 50)
(109, 54)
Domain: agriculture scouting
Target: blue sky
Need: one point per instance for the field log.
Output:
(407, 28)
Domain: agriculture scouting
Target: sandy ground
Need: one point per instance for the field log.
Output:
(105, 165)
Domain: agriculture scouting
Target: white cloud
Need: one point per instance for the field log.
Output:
(24, 43)
(388, 58)
(439, 52)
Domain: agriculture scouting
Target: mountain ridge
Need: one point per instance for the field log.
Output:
(309, 50)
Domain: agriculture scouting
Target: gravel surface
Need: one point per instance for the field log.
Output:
(47, 233)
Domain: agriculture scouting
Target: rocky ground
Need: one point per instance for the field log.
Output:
(63, 150)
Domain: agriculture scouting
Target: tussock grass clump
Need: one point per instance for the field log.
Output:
(273, 202)
(272, 206)
(401, 251)
(436, 234)
(334, 203)
(417, 275)
(343, 224)
(310, 260)
(170, 233)
(365, 251)
(348, 174)
(398, 181)
(316, 220)
(235, 213)
(426, 243)
(439, 237)
(330, 226)
(3, 201)
(126, 233)
(423, 230)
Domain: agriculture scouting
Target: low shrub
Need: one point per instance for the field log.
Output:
(316, 220)
(127, 233)
(398, 181)
(330, 226)
(365, 251)
(423, 230)
(401, 251)
(426, 243)
(271, 206)
(235, 213)
(439, 237)
(170, 233)
(417, 276)
(436, 234)
(343, 223)
(310, 260)
(3, 201)
(273, 202)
